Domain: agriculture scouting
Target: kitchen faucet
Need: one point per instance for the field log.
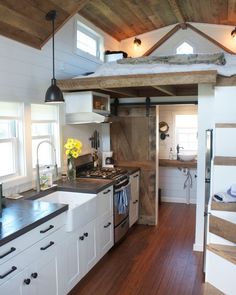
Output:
(37, 163)
(178, 148)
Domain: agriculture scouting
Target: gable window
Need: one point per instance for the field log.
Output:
(186, 132)
(45, 126)
(184, 48)
(88, 41)
(11, 142)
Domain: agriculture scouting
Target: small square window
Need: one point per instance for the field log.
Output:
(184, 48)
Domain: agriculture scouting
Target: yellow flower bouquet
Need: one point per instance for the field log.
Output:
(73, 150)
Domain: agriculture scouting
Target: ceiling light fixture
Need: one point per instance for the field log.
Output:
(233, 33)
(137, 42)
(53, 94)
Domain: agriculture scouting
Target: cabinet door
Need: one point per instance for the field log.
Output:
(105, 202)
(21, 284)
(90, 246)
(106, 233)
(134, 200)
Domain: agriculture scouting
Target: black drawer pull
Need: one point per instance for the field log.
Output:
(34, 275)
(81, 238)
(105, 226)
(8, 252)
(136, 201)
(47, 229)
(27, 281)
(106, 192)
(7, 273)
(86, 234)
(49, 245)
(135, 175)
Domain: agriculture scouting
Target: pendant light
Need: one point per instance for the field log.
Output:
(53, 94)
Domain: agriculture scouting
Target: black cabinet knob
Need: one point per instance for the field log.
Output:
(34, 275)
(27, 281)
(81, 238)
(86, 234)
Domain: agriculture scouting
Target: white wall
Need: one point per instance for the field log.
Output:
(25, 75)
(220, 33)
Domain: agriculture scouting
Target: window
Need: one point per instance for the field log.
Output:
(186, 132)
(10, 139)
(184, 48)
(45, 126)
(88, 40)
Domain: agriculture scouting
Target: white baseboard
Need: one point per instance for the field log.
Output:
(198, 247)
(177, 200)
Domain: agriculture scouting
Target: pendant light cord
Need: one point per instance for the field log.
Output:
(53, 57)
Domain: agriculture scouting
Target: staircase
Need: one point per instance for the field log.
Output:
(221, 242)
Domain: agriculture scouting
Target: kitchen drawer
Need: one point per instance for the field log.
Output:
(105, 202)
(24, 241)
(106, 234)
(121, 230)
(16, 264)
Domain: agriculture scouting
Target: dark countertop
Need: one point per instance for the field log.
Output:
(22, 216)
(130, 170)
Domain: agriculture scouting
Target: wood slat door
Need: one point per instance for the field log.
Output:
(133, 142)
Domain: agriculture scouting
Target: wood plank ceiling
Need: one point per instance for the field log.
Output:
(127, 18)
(24, 20)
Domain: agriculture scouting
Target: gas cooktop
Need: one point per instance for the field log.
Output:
(107, 173)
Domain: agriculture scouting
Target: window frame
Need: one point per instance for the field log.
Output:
(181, 43)
(99, 58)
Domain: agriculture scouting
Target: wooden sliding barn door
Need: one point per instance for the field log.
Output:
(133, 141)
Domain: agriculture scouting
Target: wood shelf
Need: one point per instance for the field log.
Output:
(177, 163)
(224, 161)
(222, 228)
(225, 125)
(219, 206)
(225, 251)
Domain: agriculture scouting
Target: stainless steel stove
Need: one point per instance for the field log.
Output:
(121, 190)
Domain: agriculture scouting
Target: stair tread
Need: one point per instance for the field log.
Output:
(223, 206)
(222, 228)
(224, 161)
(225, 251)
(211, 290)
(225, 125)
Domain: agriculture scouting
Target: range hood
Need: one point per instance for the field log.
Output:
(86, 107)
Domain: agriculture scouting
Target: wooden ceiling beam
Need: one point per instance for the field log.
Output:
(175, 78)
(123, 92)
(177, 12)
(162, 40)
(168, 89)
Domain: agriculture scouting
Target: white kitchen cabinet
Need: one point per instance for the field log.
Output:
(39, 269)
(81, 253)
(106, 235)
(105, 202)
(134, 198)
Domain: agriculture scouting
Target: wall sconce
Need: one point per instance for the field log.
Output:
(137, 42)
(233, 33)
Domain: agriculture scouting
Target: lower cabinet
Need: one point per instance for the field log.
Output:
(106, 235)
(81, 253)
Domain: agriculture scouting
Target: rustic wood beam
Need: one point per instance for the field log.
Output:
(169, 89)
(177, 12)
(176, 78)
(123, 92)
(209, 38)
(226, 81)
(162, 40)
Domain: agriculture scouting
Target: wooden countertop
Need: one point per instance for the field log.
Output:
(177, 163)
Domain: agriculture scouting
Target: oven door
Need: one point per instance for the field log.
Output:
(119, 214)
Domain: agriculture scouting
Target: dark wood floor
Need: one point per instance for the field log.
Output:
(151, 260)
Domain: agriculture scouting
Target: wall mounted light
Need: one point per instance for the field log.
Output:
(137, 41)
(233, 33)
(54, 93)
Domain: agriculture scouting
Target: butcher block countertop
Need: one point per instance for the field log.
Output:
(177, 163)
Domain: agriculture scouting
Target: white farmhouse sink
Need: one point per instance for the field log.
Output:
(186, 157)
(82, 207)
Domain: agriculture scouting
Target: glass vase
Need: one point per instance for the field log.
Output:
(71, 170)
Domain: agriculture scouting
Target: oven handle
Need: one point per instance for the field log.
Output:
(123, 187)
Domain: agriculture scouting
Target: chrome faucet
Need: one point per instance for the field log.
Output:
(177, 149)
(37, 163)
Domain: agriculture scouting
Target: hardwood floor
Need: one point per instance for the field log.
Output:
(151, 260)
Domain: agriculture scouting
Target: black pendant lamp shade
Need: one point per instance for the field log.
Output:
(53, 94)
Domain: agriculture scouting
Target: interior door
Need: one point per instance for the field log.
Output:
(157, 162)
